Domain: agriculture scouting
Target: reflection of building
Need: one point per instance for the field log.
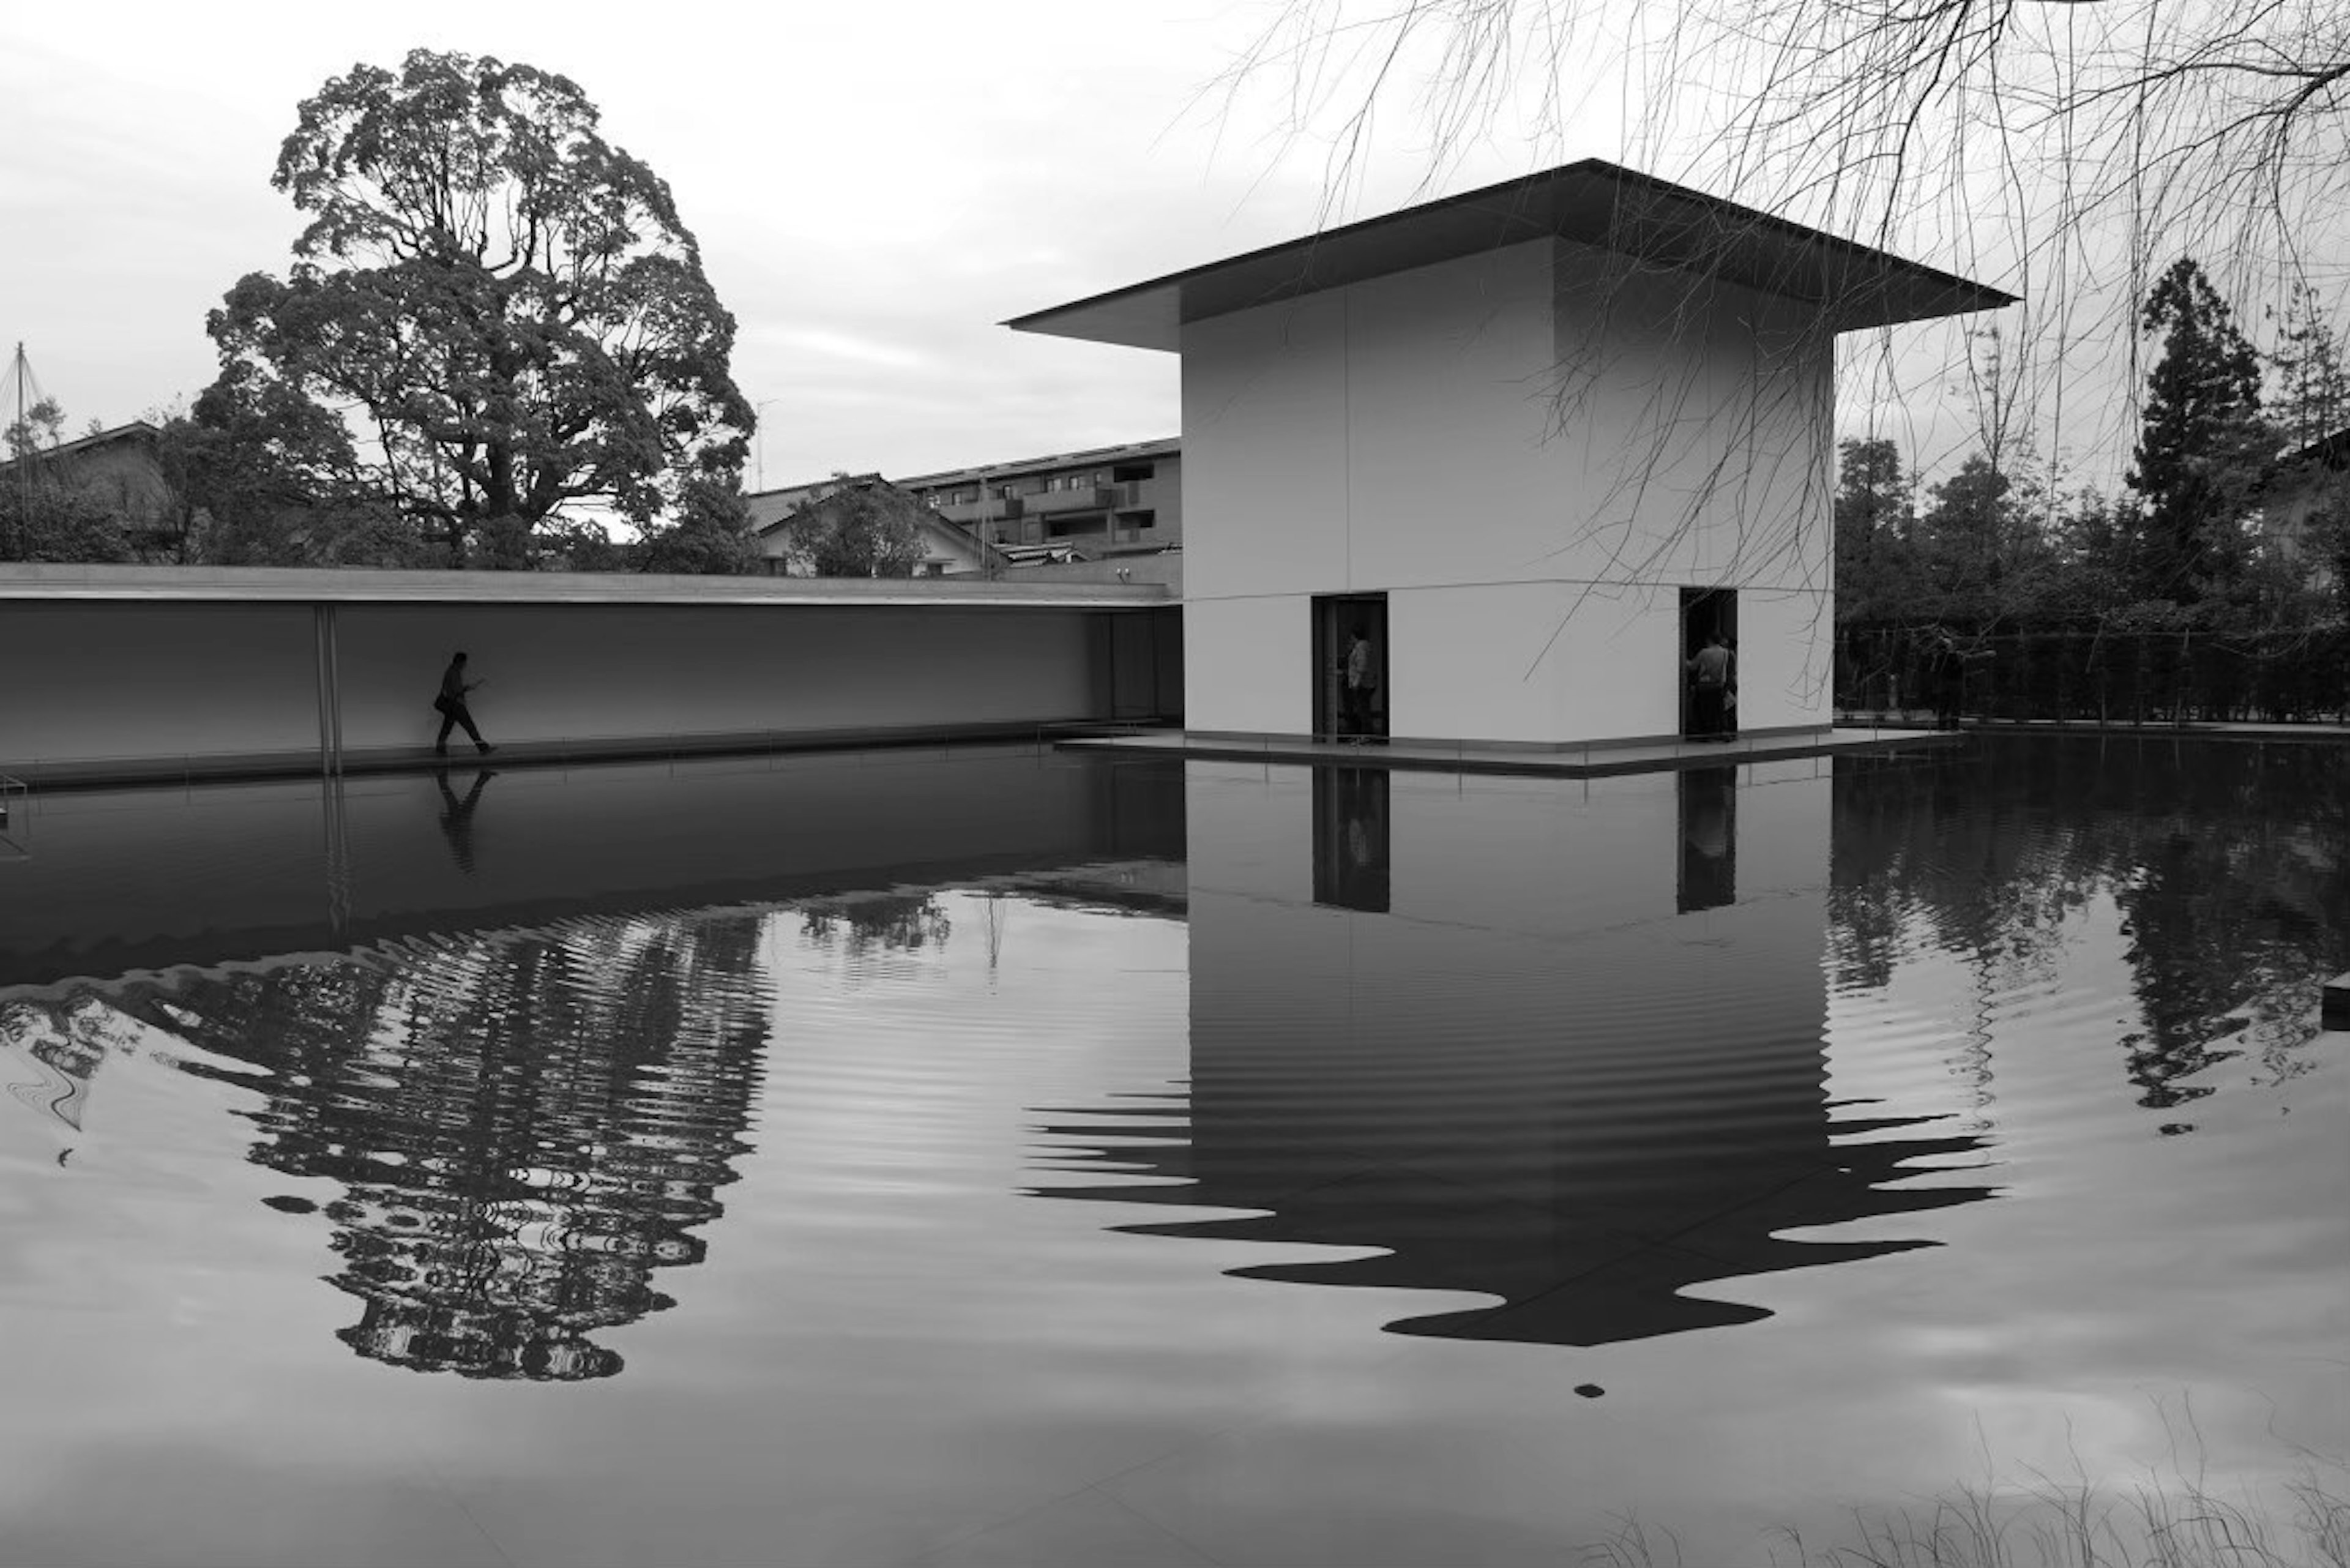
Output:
(1534, 1078)
(525, 1130)
(1530, 421)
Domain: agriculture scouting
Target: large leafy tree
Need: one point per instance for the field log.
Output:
(2203, 448)
(506, 308)
(712, 533)
(862, 528)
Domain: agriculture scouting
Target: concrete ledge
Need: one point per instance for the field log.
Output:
(2336, 1013)
(1600, 759)
(1577, 749)
(71, 772)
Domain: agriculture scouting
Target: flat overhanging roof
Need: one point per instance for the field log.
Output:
(1648, 221)
(21, 582)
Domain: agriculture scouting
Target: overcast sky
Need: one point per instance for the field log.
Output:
(874, 187)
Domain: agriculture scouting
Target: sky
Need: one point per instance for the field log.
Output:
(874, 189)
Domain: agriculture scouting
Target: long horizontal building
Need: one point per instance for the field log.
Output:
(1107, 501)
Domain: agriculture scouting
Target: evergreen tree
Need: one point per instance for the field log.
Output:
(2204, 448)
(1979, 545)
(2312, 399)
(1876, 575)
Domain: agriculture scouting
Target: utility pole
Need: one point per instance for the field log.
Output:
(24, 456)
(759, 443)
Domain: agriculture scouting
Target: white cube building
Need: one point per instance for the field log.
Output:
(1533, 442)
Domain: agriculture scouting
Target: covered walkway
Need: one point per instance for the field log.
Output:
(123, 673)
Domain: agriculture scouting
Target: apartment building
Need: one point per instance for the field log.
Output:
(1109, 500)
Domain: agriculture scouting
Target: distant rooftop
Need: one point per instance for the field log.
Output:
(1167, 446)
(95, 439)
(1592, 202)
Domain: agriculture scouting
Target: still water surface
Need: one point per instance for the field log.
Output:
(998, 1157)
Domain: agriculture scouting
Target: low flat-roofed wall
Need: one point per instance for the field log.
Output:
(93, 686)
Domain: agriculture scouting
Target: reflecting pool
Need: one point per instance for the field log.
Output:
(995, 1155)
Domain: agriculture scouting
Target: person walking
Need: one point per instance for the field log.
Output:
(450, 704)
(1709, 671)
(1361, 682)
(1948, 673)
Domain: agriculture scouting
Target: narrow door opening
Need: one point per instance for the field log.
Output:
(1708, 708)
(1350, 667)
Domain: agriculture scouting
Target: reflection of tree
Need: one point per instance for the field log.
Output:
(899, 922)
(51, 1052)
(524, 1129)
(2230, 862)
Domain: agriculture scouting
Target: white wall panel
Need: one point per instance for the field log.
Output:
(1701, 415)
(1786, 656)
(1264, 445)
(82, 679)
(1470, 663)
(1449, 478)
(1248, 665)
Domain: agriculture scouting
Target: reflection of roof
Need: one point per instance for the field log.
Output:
(1592, 202)
(1166, 446)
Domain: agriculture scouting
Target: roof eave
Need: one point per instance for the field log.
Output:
(1671, 225)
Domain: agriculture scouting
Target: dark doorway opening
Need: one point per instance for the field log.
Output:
(1705, 612)
(1341, 709)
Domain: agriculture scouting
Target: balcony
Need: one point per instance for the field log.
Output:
(1092, 498)
(992, 509)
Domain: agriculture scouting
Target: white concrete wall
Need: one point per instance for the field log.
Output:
(93, 679)
(1531, 460)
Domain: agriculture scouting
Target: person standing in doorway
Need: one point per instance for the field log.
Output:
(1361, 682)
(453, 711)
(1709, 671)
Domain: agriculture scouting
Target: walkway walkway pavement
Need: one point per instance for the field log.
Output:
(1580, 761)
